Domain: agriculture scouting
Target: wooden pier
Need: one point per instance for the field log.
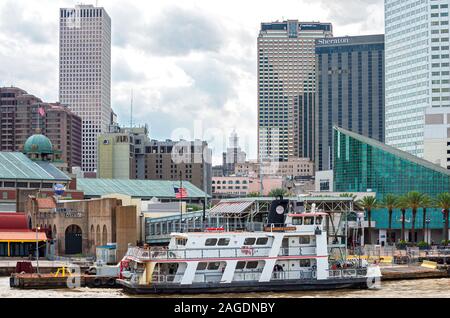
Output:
(412, 272)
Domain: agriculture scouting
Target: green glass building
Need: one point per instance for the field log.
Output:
(362, 164)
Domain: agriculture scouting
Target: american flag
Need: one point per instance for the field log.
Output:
(41, 111)
(180, 193)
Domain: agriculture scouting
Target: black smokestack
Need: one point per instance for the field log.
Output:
(278, 209)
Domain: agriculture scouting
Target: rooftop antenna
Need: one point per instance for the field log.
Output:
(131, 110)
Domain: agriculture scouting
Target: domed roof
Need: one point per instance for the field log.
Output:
(38, 144)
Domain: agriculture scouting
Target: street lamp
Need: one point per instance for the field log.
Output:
(37, 249)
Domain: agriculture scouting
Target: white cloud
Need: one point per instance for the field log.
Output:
(184, 60)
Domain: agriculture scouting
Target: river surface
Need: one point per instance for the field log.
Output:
(429, 288)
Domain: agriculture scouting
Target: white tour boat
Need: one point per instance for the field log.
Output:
(291, 253)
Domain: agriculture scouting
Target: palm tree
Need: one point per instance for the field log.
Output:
(414, 200)
(390, 203)
(443, 201)
(402, 205)
(426, 203)
(278, 192)
(353, 196)
(368, 203)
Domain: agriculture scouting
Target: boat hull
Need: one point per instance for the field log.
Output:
(245, 287)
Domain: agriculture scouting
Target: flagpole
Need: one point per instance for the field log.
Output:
(180, 193)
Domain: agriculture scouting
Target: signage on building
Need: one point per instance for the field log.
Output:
(74, 214)
(69, 213)
(59, 189)
(333, 41)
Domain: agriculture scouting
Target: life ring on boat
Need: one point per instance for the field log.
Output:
(171, 255)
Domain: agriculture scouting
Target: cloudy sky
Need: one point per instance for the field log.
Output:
(190, 63)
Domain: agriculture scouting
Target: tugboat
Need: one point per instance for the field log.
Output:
(290, 253)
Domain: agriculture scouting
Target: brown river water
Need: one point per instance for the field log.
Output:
(425, 288)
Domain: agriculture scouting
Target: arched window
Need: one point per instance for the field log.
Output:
(92, 236)
(98, 236)
(104, 235)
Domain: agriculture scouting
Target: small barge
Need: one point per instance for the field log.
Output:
(97, 276)
(291, 253)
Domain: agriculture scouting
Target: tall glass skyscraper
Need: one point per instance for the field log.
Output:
(350, 91)
(85, 73)
(286, 87)
(417, 68)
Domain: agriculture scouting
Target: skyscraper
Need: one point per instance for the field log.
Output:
(85, 73)
(233, 156)
(286, 87)
(350, 91)
(20, 118)
(417, 68)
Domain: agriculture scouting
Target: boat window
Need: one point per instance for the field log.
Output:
(211, 242)
(309, 221)
(262, 241)
(304, 240)
(318, 220)
(181, 241)
(213, 266)
(252, 265)
(249, 241)
(240, 265)
(223, 242)
(201, 266)
(305, 263)
(297, 221)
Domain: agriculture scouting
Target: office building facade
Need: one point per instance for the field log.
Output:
(350, 91)
(20, 119)
(417, 68)
(286, 87)
(85, 73)
(175, 160)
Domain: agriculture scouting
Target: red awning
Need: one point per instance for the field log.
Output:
(13, 221)
(27, 236)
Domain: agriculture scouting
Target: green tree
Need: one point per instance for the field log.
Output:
(254, 195)
(414, 201)
(278, 192)
(443, 202)
(389, 202)
(402, 205)
(368, 203)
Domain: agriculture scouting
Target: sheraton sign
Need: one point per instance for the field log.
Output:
(333, 41)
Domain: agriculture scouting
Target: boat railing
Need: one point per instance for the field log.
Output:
(297, 251)
(166, 279)
(222, 252)
(253, 275)
(347, 273)
(298, 274)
